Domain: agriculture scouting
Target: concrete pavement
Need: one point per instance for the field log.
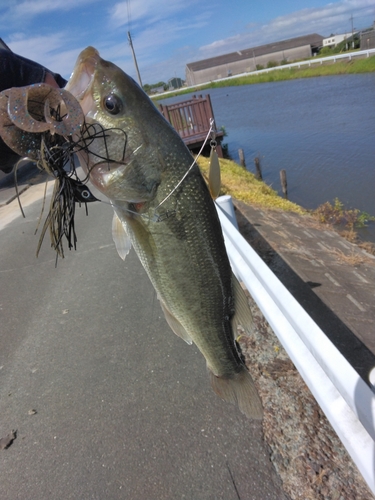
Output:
(333, 279)
(27, 175)
(123, 407)
(107, 402)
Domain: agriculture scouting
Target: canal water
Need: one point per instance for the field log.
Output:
(320, 130)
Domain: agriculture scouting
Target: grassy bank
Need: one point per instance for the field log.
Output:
(355, 66)
(366, 65)
(242, 184)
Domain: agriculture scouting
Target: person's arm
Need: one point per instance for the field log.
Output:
(17, 71)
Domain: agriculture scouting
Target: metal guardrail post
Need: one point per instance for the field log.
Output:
(226, 204)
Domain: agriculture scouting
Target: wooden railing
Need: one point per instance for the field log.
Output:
(191, 119)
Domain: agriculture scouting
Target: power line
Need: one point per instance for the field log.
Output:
(128, 8)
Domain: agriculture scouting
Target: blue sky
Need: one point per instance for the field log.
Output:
(167, 34)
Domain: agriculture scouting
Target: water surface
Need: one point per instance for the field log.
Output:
(320, 130)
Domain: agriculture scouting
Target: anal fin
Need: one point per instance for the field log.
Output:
(175, 325)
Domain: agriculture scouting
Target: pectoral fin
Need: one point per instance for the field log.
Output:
(120, 237)
(175, 325)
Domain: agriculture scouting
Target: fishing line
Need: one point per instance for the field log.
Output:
(16, 186)
(191, 166)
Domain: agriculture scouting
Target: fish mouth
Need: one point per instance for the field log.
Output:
(82, 77)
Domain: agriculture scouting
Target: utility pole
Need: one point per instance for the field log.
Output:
(351, 19)
(135, 59)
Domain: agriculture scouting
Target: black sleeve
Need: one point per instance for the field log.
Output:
(17, 71)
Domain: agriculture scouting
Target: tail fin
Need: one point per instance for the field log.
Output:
(239, 389)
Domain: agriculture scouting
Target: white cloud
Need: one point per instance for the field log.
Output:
(50, 51)
(147, 11)
(149, 42)
(331, 18)
(35, 7)
(158, 27)
(36, 47)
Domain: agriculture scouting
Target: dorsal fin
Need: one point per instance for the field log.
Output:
(243, 314)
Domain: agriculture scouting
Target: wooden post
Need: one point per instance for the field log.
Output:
(284, 184)
(219, 150)
(258, 174)
(241, 154)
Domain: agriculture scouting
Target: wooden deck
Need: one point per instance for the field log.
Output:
(191, 119)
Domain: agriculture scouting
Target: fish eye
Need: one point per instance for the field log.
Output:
(112, 104)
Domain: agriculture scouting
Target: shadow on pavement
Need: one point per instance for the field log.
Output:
(357, 354)
(28, 175)
(27, 172)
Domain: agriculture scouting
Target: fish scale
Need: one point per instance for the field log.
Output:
(164, 208)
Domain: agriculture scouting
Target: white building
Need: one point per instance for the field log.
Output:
(334, 40)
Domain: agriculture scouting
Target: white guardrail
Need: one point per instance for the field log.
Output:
(347, 401)
(309, 62)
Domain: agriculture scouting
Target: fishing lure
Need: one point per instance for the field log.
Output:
(38, 122)
(28, 112)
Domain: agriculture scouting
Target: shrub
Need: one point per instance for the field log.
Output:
(272, 64)
(336, 214)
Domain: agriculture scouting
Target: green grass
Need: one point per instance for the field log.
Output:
(242, 185)
(355, 66)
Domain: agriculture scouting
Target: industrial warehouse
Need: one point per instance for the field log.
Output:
(248, 60)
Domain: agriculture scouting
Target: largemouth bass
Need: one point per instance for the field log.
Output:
(163, 208)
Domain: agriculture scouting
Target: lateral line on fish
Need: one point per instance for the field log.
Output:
(114, 205)
(155, 218)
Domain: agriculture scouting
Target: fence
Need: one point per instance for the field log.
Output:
(191, 119)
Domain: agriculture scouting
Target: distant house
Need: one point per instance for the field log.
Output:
(334, 40)
(157, 90)
(368, 38)
(175, 83)
(247, 60)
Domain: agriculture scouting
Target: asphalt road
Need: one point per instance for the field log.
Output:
(123, 407)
